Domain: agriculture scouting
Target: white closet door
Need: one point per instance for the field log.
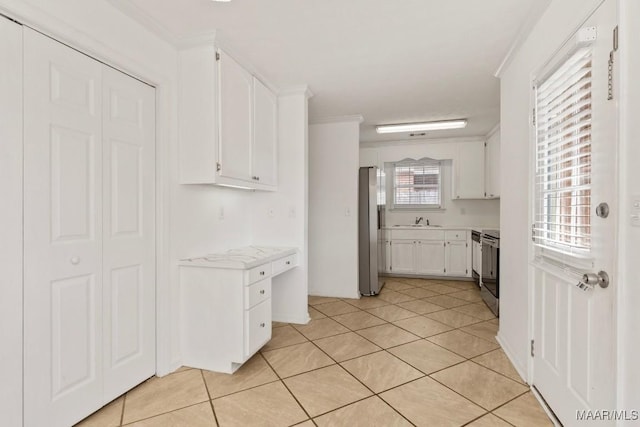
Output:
(63, 233)
(11, 222)
(129, 227)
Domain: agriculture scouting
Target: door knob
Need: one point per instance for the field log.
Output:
(592, 279)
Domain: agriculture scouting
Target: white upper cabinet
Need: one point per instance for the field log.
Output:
(265, 135)
(227, 123)
(235, 120)
(492, 165)
(468, 171)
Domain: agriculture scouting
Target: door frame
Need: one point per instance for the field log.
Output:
(166, 94)
(531, 210)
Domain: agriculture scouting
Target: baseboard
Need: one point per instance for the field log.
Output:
(287, 318)
(545, 407)
(509, 352)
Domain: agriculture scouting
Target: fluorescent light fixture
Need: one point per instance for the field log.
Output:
(424, 126)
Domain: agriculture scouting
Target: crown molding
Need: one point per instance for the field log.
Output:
(337, 119)
(296, 90)
(141, 17)
(536, 11)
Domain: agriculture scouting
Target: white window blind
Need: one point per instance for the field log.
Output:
(417, 184)
(563, 157)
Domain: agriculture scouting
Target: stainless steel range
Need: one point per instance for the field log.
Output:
(490, 276)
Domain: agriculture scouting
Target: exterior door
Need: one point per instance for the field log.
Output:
(574, 330)
(430, 257)
(403, 256)
(128, 276)
(63, 340)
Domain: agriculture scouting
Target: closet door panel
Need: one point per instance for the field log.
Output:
(129, 230)
(11, 222)
(62, 233)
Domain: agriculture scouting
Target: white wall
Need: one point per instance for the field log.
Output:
(281, 218)
(558, 22)
(480, 213)
(333, 208)
(629, 179)
(11, 222)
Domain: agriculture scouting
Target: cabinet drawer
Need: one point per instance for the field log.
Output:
(260, 272)
(417, 234)
(256, 293)
(284, 264)
(257, 327)
(454, 235)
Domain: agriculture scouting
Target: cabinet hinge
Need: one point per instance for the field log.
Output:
(466, 245)
(485, 143)
(532, 353)
(444, 244)
(217, 56)
(445, 270)
(466, 271)
(390, 268)
(611, 61)
(218, 167)
(533, 232)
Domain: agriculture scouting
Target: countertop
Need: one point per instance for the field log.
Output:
(240, 258)
(443, 227)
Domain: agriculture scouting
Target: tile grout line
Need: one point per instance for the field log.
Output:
(206, 387)
(281, 380)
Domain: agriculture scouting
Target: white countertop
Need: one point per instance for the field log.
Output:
(240, 258)
(443, 227)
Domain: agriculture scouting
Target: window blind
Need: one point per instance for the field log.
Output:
(563, 157)
(417, 184)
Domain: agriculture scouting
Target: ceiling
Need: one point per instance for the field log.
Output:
(390, 61)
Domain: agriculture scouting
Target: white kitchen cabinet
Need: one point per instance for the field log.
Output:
(235, 118)
(468, 171)
(457, 253)
(264, 152)
(430, 252)
(227, 123)
(430, 257)
(403, 256)
(492, 165)
(456, 260)
(226, 305)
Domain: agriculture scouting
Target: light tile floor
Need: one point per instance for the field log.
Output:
(422, 353)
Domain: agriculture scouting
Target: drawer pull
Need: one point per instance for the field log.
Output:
(262, 325)
(262, 273)
(262, 292)
(288, 262)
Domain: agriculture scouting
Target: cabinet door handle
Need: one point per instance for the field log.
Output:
(288, 263)
(75, 260)
(261, 291)
(262, 325)
(262, 273)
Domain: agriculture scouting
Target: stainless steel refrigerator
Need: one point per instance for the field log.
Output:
(371, 212)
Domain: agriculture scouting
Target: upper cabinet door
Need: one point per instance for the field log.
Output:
(468, 171)
(265, 140)
(492, 165)
(235, 89)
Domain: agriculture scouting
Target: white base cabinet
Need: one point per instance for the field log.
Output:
(430, 252)
(226, 309)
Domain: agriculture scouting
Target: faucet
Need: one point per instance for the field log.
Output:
(418, 220)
